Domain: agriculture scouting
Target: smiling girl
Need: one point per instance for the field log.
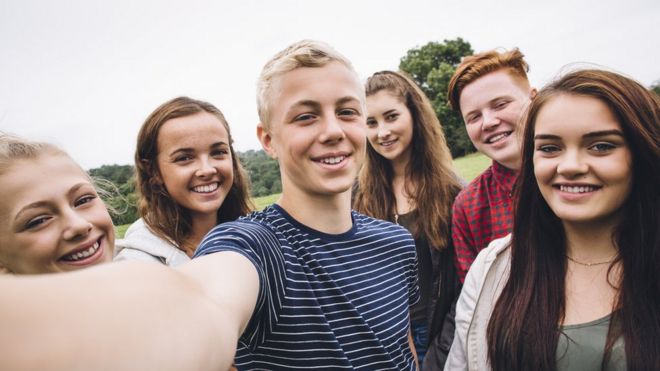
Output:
(51, 217)
(408, 179)
(189, 180)
(576, 286)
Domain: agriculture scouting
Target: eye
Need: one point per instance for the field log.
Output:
(304, 117)
(84, 200)
(548, 148)
(501, 104)
(348, 113)
(183, 158)
(392, 117)
(472, 118)
(602, 147)
(372, 123)
(220, 152)
(36, 222)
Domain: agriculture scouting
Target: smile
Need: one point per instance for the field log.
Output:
(498, 137)
(577, 189)
(387, 143)
(332, 160)
(80, 255)
(207, 188)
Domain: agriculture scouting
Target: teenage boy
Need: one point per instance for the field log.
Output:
(306, 283)
(491, 91)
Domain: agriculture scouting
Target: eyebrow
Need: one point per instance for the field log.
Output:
(593, 134)
(38, 204)
(317, 106)
(189, 149)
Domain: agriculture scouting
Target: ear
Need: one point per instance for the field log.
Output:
(266, 141)
(532, 93)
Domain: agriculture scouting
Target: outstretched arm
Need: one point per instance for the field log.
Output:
(128, 315)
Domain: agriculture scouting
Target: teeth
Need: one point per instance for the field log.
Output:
(332, 160)
(498, 137)
(387, 144)
(576, 189)
(83, 254)
(206, 188)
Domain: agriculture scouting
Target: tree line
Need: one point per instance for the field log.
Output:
(430, 65)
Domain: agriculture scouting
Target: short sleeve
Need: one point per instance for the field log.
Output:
(260, 245)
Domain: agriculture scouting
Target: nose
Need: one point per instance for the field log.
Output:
(572, 165)
(383, 132)
(206, 168)
(75, 225)
(333, 130)
(490, 120)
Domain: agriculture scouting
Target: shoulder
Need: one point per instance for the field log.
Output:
(475, 187)
(499, 248)
(140, 243)
(367, 224)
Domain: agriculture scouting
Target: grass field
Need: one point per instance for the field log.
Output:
(467, 167)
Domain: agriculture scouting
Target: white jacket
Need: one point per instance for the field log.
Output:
(140, 243)
(483, 285)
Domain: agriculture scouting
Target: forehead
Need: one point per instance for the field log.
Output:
(188, 131)
(490, 86)
(384, 96)
(43, 178)
(568, 114)
(323, 85)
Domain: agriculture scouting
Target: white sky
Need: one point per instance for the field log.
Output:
(84, 74)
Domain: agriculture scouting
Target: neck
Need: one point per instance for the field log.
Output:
(589, 243)
(201, 225)
(326, 213)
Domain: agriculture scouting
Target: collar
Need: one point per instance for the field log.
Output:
(504, 177)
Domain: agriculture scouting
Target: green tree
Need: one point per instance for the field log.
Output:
(432, 66)
(656, 87)
(264, 172)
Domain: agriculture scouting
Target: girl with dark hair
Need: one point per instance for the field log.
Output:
(408, 179)
(189, 180)
(576, 286)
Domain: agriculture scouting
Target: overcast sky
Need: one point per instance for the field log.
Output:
(84, 74)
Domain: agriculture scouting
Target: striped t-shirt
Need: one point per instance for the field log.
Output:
(326, 301)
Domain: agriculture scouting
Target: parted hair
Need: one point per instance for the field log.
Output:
(430, 179)
(304, 53)
(523, 331)
(475, 66)
(160, 212)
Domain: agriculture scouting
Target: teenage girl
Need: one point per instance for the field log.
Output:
(408, 178)
(51, 217)
(189, 180)
(576, 286)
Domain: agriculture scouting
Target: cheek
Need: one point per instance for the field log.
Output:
(544, 169)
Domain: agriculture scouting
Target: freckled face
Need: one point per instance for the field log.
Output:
(582, 161)
(51, 218)
(195, 163)
(389, 126)
(492, 107)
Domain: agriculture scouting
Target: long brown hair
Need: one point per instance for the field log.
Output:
(430, 168)
(523, 331)
(161, 214)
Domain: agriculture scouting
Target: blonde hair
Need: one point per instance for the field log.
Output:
(13, 148)
(304, 53)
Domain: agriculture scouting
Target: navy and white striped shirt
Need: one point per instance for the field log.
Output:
(325, 301)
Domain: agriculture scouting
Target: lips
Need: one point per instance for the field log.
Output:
(497, 137)
(387, 143)
(82, 253)
(206, 188)
(332, 159)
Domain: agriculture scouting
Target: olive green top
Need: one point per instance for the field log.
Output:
(581, 347)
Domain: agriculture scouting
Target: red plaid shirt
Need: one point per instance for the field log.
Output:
(482, 212)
